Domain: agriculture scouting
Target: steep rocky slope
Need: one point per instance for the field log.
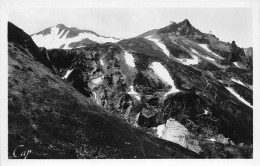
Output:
(174, 83)
(53, 120)
(138, 93)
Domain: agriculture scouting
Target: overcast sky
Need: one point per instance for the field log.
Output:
(226, 23)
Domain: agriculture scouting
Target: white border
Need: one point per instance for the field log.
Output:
(124, 4)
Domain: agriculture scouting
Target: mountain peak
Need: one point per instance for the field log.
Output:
(182, 28)
(185, 22)
(61, 26)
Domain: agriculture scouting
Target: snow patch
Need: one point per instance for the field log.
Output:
(212, 139)
(95, 96)
(97, 80)
(163, 73)
(101, 62)
(238, 81)
(138, 97)
(206, 112)
(67, 74)
(129, 59)
(80, 46)
(136, 119)
(235, 63)
(211, 59)
(205, 46)
(194, 51)
(238, 96)
(193, 61)
(133, 92)
(159, 44)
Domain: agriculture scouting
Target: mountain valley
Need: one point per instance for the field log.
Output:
(173, 92)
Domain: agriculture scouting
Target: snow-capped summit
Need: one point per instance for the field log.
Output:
(61, 36)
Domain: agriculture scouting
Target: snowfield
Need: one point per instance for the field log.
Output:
(159, 44)
(238, 96)
(205, 46)
(54, 39)
(129, 59)
(163, 73)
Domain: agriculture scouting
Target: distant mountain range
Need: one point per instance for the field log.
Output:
(60, 36)
(173, 92)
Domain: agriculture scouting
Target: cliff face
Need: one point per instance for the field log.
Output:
(112, 100)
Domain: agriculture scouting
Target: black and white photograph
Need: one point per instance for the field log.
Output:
(98, 81)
